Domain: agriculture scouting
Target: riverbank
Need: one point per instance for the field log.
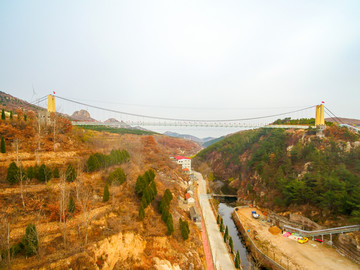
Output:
(226, 211)
(287, 252)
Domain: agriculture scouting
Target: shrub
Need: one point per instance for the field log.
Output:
(12, 175)
(117, 177)
(70, 174)
(3, 114)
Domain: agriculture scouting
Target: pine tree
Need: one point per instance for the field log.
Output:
(237, 260)
(93, 164)
(170, 225)
(3, 148)
(44, 173)
(106, 195)
(140, 185)
(168, 195)
(141, 212)
(25, 117)
(56, 173)
(226, 234)
(231, 244)
(221, 225)
(11, 115)
(71, 205)
(30, 240)
(70, 173)
(3, 114)
(30, 172)
(165, 215)
(184, 228)
(218, 219)
(12, 175)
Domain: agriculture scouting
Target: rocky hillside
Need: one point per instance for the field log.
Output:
(291, 170)
(12, 103)
(75, 225)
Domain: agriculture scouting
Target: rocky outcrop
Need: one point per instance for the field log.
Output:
(349, 245)
(82, 115)
(112, 120)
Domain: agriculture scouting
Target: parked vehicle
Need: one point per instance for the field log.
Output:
(318, 240)
(254, 214)
(303, 240)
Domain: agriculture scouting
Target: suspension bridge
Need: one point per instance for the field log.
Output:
(133, 119)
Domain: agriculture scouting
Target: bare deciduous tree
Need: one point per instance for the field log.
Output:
(62, 209)
(84, 192)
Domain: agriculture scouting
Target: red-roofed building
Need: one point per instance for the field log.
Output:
(185, 163)
(189, 199)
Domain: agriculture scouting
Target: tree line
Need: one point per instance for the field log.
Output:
(100, 161)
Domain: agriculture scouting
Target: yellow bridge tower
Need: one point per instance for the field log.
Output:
(51, 104)
(319, 118)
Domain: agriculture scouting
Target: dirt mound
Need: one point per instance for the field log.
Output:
(274, 230)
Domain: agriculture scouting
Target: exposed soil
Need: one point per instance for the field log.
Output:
(288, 252)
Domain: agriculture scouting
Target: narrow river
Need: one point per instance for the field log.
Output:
(225, 212)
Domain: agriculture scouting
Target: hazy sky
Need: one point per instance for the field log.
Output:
(184, 59)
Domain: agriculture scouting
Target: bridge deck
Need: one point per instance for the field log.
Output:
(188, 124)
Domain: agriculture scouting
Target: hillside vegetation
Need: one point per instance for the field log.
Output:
(68, 198)
(286, 169)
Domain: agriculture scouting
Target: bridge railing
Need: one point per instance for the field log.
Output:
(335, 230)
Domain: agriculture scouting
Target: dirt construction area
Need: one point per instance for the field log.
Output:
(288, 252)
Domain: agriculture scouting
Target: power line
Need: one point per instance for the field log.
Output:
(178, 119)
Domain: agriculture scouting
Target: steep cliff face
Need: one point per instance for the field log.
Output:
(291, 170)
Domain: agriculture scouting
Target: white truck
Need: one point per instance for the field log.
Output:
(255, 215)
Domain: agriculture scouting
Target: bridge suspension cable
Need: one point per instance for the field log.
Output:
(332, 115)
(179, 119)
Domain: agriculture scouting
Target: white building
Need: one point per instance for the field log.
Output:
(185, 163)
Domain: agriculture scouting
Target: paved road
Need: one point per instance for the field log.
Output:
(219, 250)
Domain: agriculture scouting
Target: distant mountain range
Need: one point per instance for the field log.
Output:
(204, 141)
